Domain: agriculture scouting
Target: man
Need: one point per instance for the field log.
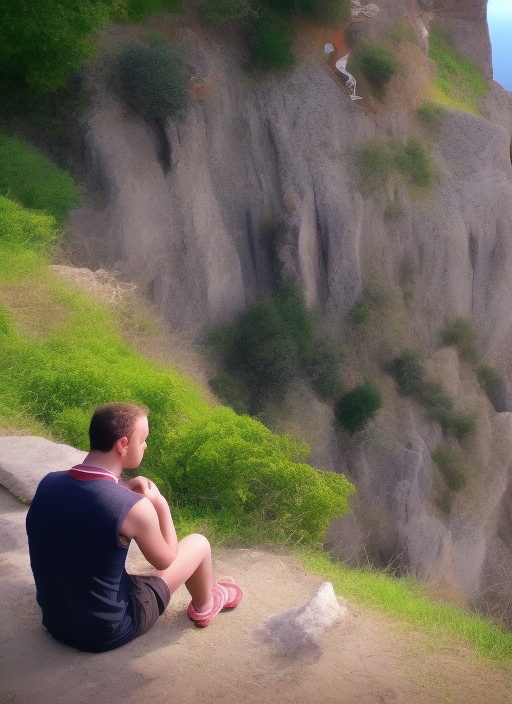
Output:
(79, 527)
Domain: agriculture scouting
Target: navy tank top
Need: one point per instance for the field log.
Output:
(78, 563)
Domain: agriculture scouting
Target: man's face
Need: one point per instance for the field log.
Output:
(136, 444)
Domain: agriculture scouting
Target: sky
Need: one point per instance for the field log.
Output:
(499, 19)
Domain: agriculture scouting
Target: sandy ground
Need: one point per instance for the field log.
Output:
(363, 659)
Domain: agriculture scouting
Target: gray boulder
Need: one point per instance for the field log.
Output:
(24, 461)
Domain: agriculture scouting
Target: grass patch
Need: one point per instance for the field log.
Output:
(405, 599)
(31, 180)
(377, 161)
(459, 82)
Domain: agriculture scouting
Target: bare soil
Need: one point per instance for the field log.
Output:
(364, 658)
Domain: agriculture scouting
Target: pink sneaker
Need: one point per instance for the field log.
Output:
(220, 595)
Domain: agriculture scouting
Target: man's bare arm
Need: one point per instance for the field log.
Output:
(149, 523)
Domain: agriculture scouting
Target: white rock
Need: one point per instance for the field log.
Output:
(302, 627)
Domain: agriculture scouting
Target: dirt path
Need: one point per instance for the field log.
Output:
(363, 659)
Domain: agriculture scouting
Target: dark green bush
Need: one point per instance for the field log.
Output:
(461, 333)
(151, 80)
(31, 179)
(453, 467)
(272, 41)
(375, 62)
(431, 115)
(408, 373)
(355, 408)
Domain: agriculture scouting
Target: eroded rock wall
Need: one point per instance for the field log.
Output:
(262, 175)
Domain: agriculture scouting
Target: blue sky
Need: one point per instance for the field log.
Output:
(499, 18)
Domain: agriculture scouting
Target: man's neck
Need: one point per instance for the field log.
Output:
(105, 460)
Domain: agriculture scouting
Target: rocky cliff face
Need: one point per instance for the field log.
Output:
(186, 214)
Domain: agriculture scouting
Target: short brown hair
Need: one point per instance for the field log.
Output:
(113, 421)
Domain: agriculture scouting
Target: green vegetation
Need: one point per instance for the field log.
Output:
(393, 211)
(30, 179)
(461, 333)
(355, 408)
(431, 115)
(219, 11)
(140, 10)
(270, 346)
(376, 63)
(459, 82)
(409, 374)
(453, 467)
(491, 383)
(360, 315)
(407, 276)
(151, 80)
(41, 43)
(402, 32)
(377, 161)
(271, 45)
(26, 229)
(405, 599)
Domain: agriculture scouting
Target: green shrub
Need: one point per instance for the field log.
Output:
(266, 348)
(219, 11)
(409, 373)
(402, 33)
(355, 408)
(234, 465)
(431, 115)
(24, 229)
(151, 80)
(377, 161)
(491, 382)
(453, 467)
(393, 211)
(419, 164)
(459, 82)
(360, 315)
(461, 333)
(375, 62)
(31, 179)
(272, 41)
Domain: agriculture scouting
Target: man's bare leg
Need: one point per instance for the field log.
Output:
(193, 568)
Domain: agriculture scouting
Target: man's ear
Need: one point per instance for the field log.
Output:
(122, 446)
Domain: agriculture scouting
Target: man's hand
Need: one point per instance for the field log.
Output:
(142, 485)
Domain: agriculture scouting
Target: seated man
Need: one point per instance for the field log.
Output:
(79, 527)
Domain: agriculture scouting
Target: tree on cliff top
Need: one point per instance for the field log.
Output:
(41, 43)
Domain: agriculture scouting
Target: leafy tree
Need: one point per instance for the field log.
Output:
(41, 43)
(151, 80)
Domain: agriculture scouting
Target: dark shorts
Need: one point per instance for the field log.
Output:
(149, 599)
